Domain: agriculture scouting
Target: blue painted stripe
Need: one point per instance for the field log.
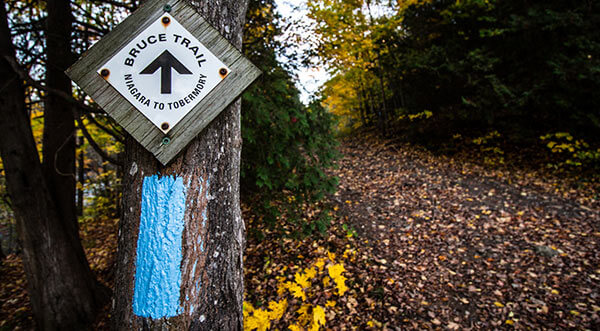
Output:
(158, 263)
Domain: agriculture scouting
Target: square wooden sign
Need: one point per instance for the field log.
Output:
(163, 74)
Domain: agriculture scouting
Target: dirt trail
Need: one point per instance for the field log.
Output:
(455, 246)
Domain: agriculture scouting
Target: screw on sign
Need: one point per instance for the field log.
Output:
(164, 74)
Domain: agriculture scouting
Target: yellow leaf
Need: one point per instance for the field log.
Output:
(335, 270)
(310, 273)
(258, 321)
(319, 315)
(320, 263)
(326, 281)
(294, 327)
(281, 287)
(330, 303)
(331, 256)
(277, 309)
(341, 285)
(297, 291)
(498, 304)
(304, 316)
(510, 322)
(250, 323)
(302, 280)
(348, 252)
(247, 309)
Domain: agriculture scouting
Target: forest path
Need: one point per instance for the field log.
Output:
(450, 244)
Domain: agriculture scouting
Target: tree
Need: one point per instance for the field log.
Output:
(287, 145)
(63, 291)
(472, 66)
(202, 190)
(59, 123)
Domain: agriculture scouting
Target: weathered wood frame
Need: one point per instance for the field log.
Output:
(84, 73)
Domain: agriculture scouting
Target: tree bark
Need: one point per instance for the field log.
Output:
(209, 294)
(59, 125)
(80, 177)
(62, 289)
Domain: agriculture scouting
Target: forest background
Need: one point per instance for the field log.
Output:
(503, 83)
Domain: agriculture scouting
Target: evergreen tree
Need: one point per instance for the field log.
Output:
(287, 145)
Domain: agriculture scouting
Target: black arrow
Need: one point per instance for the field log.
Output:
(165, 62)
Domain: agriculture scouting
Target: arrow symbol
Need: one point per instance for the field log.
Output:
(166, 61)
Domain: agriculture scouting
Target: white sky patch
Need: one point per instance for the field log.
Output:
(309, 79)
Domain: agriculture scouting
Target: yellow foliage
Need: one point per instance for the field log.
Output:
(302, 280)
(331, 256)
(335, 272)
(319, 315)
(277, 309)
(247, 309)
(310, 315)
(320, 264)
(258, 321)
(281, 287)
(310, 272)
(577, 151)
(326, 281)
(296, 291)
(303, 314)
(340, 284)
(404, 4)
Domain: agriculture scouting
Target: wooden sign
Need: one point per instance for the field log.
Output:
(163, 74)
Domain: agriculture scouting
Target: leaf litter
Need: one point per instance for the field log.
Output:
(428, 242)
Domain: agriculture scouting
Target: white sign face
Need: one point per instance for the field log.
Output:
(164, 72)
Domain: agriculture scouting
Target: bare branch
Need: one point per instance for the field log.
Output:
(30, 81)
(112, 133)
(23, 75)
(93, 143)
(130, 8)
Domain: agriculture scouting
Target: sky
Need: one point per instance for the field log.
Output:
(309, 79)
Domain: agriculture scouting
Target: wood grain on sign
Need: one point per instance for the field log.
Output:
(242, 74)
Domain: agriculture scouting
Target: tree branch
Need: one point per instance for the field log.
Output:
(23, 75)
(116, 4)
(112, 133)
(93, 143)
(30, 81)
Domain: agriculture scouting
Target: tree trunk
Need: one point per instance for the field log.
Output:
(383, 119)
(59, 125)
(80, 177)
(362, 100)
(63, 292)
(181, 236)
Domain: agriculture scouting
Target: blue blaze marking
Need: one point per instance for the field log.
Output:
(158, 264)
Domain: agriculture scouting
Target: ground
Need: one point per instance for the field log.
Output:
(451, 244)
(426, 241)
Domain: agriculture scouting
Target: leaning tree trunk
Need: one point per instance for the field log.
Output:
(188, 273)
(63, 291)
